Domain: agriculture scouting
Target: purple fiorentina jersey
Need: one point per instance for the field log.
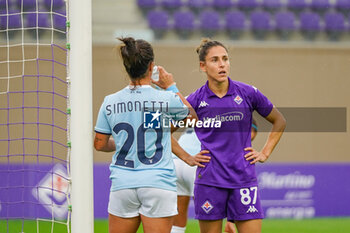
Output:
(228, 167)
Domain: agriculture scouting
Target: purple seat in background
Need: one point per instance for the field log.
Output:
(310, 21)
(298, 5)
(247, 5)
(223, 4)
(171, 5)
(54, 4)
(334, 25)
(10, 20)
(184, 23)
(158, 21)
(310, 24)
(146, 5)
(37, 20)
(320, 6)
(271, 5)
(209, 21)
(3, 4)
(26, 5)
(198, 5)
(59, 20)
(285, 24)
(343, 6)
(260, 24)
(235, 23)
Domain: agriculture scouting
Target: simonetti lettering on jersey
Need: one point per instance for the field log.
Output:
(134, 106)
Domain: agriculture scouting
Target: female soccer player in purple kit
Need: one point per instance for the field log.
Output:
(227, 186)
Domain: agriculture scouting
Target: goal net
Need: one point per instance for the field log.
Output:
(34, 116)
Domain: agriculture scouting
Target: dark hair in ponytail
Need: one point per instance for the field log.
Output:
(137, 55)
(204, 47)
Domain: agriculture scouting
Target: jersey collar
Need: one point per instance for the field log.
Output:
(138, 86)
(230, 90)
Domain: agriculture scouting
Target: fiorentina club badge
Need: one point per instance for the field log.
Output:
(207, 207)
(238, 99)
(51, 191)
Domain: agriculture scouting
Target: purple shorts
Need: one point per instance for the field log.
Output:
(214, 203)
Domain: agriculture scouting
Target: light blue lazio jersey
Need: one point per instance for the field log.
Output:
(138, 119)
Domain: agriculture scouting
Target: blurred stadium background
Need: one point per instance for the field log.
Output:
(297, 52)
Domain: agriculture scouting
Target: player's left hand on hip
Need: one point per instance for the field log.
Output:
(254, 156)
(201, 157)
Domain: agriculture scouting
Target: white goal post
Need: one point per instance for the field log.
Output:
(80, 74)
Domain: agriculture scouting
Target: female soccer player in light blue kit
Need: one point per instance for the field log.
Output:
(142, 171)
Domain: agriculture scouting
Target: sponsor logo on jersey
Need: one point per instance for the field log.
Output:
(252, 209)
(207, 207)
(228, 116)
(51, 191)
(238, 99)
(203, 104)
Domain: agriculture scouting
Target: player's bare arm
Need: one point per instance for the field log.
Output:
(104, 142)
(195, 160)
(278, 125)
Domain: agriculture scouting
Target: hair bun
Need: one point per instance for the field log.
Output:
(137, 56)
(202, 43)
(130, 45)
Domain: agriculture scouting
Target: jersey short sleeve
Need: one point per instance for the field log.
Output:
(178, 110)
(192, 99)
(102, 125)
(261, 103)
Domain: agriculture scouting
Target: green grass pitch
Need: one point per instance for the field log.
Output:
(316, 225)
